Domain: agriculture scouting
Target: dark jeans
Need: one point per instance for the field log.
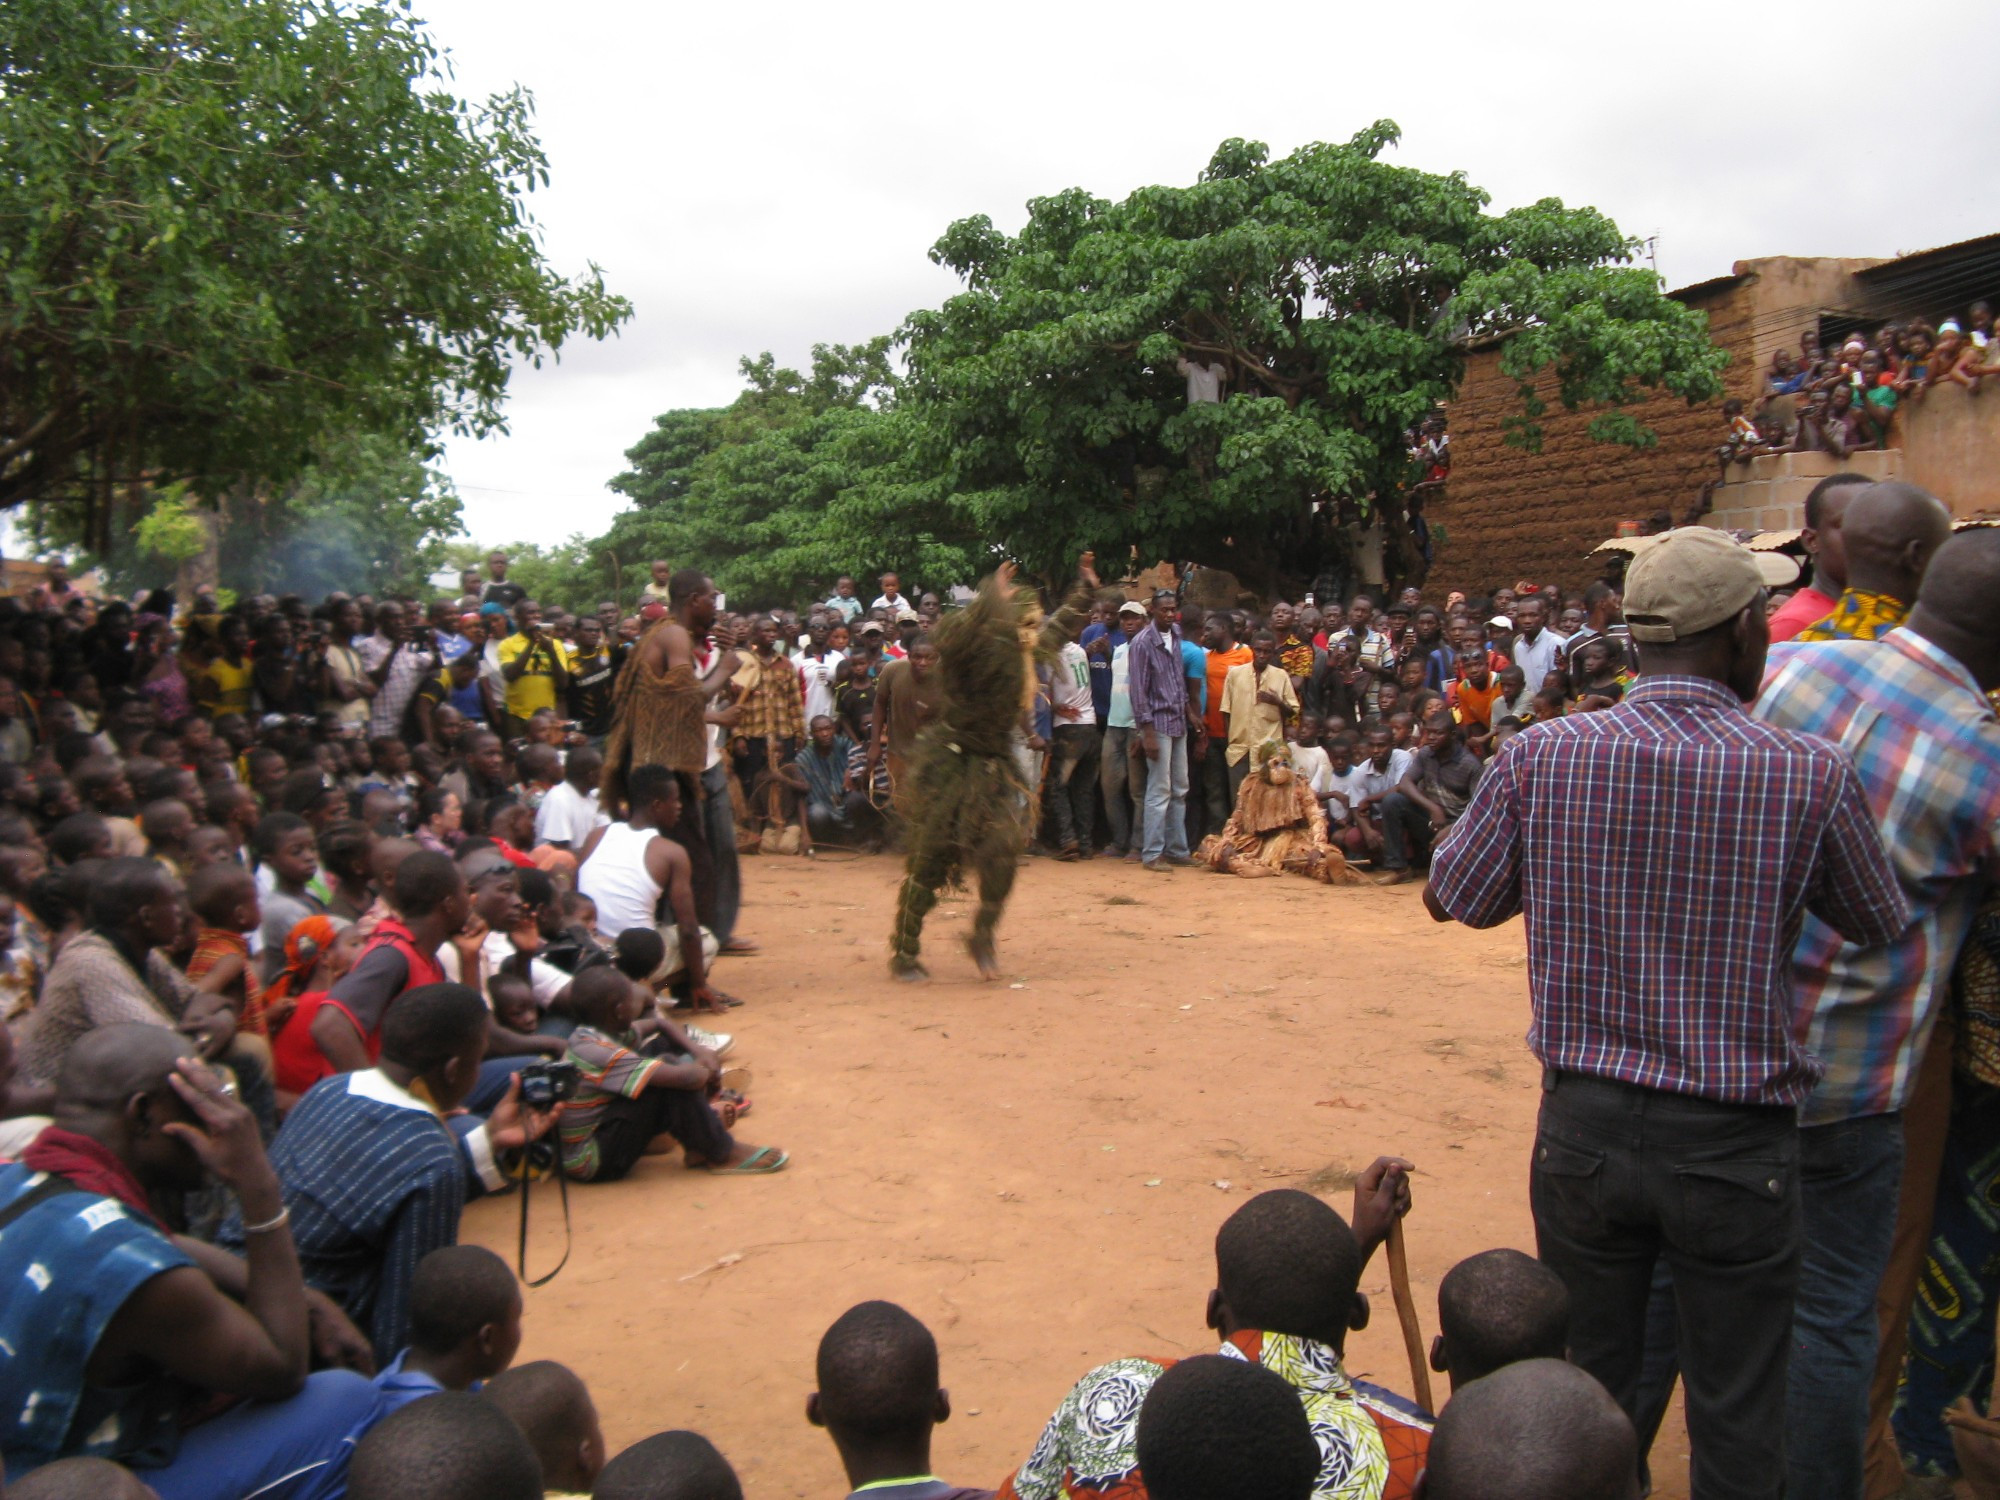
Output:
(628, 1126)
(1216, 800)
(719, 824)
(495, 1076)
(1851, 1173)
(1406, 832)
(1625, 1176)
(1124, 787)
(1072, 784)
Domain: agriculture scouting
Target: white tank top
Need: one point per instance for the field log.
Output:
(615, 877)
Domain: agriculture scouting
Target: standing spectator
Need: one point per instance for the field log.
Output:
(891, 598)
(1538, 650)
(396, 664)
(500, 589)
(1072, 778)
(1662, 1000)
(1257, 701)
(344, 683)
(1826, 508)
(818, 665)
(1162, 701)
(593, 671)
(536, 669)
(1224, 652)
(770, 720)
(1120, 770)
(1368, 652)
(843, 603)
(1912, 712)
(1889, 533)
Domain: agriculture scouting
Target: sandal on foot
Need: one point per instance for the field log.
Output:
(764, 1160)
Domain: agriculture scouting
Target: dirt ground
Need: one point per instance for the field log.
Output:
(1037, 1168)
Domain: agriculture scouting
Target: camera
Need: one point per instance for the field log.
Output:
(546, 1084)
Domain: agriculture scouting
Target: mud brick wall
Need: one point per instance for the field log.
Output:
(1509, 514)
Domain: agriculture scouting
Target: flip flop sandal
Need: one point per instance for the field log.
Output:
(735, 1080)
(761, 1162)
(729, 1111)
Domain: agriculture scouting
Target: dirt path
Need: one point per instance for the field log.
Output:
(1037, 1168)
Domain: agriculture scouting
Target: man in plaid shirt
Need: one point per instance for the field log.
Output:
(1911, 709)
(1660, 970)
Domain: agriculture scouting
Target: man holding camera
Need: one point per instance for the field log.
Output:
(535, 667)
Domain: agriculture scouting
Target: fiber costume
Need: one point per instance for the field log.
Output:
(1278, 826)
(969, 804)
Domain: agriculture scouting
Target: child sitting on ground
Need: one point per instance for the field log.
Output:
(632, 1102)
(640, 954)
(879, 1399)
(513, 1002)
(669, 1466)
(1497, 1308)
(465, 1326)
(1309, 762)
(552, 1407)
(318, 954)
(224, 899)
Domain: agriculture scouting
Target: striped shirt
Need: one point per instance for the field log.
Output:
(1665, 853)
(610, 1071)
(1154, 679)
(375, 1182)
(1927, 746)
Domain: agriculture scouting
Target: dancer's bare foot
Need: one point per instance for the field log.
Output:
(908, 970)
(983, 956)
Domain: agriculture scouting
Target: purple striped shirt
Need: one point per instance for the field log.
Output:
(1154, 677)
(1665, 853)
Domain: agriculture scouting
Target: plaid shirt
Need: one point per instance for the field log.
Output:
(773, 701)
(1927, 746)
(1154, 677)
(1662, 956)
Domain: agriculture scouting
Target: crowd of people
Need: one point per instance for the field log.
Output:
(317, 921)
(1843, 399)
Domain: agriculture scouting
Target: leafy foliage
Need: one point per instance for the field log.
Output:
(802, 478)
(232, 231)
(368, 516)
(1338, 294)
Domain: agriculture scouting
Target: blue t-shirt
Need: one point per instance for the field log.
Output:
(1194, 663)
(1100, 667)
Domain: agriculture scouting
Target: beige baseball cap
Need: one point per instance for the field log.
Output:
(1685, 581)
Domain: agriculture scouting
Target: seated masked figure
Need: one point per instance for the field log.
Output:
(1278, 826)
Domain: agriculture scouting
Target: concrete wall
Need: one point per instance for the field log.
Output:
(1510, 515)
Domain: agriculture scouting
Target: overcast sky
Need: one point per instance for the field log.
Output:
(770, 176)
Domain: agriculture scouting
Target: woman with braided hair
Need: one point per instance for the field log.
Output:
(970, 801)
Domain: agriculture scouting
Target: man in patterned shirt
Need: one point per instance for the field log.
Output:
(1911, 709)
(1891, 531)
(1287, 1271)
(1660, 971)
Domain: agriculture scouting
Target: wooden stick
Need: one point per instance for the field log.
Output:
(1406, 1313)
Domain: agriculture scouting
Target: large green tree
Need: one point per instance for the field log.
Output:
(803, 477)
(1337, 293)
(232, 231)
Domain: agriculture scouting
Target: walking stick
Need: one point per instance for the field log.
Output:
(1406, 1313)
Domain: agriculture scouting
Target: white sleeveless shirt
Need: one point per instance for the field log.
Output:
(616, 878)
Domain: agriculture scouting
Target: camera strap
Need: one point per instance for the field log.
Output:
(521, 1255)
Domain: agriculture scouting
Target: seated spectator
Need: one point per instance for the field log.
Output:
(1288, 1271)
(402, 954)
(224, 901)
(128, 1320)
(1309, 759)
(634, 872)
(287, 852)
(568, 814)
(1473, 692)
(879, 1399)
(1497, 1308)
(451, 1446)
(374, 1179)
(1533, 1431)
(668, 1466)
(553, 1409)
(1214, 1428)
(1433, 793)
(465, 1326)
(631, 1103)
(1515, 701)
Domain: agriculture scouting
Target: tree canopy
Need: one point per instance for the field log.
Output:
(1046, 407)
(235, 232)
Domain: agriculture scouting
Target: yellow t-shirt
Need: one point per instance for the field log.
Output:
(535, 688)
(232, 687)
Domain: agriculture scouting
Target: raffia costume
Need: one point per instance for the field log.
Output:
(1278, 826)
(968, 803)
